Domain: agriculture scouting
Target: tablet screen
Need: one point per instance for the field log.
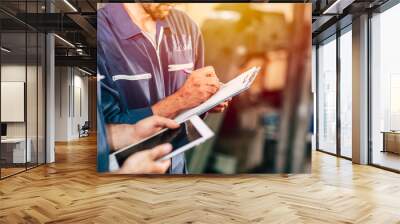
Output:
(177, 137)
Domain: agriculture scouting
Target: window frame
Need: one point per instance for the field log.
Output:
(334, 37)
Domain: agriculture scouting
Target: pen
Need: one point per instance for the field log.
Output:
(187, 71)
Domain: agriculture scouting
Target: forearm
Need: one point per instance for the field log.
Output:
(169, 107)
(120, 135)
(198, 87)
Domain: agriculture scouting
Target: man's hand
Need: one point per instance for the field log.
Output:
(220, 107)
(151, 125)
(145, 162)
(199, 86)
(121, 135)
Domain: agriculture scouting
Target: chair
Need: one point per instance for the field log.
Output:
(84, 130)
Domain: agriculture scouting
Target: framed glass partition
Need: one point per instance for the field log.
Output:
(334, 94)
(327, 95)
(32, 98)
(22, 77)
(13, 94)
(41, 99)
(345, 58)
(385, 89)
(334, 105)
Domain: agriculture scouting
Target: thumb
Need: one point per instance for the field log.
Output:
(165, 122)
(160, 150)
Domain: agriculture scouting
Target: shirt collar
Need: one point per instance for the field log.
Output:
(123, 24)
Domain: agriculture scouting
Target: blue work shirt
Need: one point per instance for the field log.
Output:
(141, 72)
(103, 150)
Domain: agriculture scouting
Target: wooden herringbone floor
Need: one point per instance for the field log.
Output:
(70, 191)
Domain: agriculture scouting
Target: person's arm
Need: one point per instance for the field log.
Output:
(121, 135)
(112, 107)
(146, 161)
(143, 162)
(174, 104)
(117, 114)
(103, 149)
(199, 63)
(200, 85)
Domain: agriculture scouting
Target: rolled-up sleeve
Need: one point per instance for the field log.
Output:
(117, 114)
(113, 107)
(103, 150)
(102, 145)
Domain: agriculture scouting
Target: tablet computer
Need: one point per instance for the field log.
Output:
(189, 134)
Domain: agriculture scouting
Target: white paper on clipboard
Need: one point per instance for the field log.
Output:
(226, 91)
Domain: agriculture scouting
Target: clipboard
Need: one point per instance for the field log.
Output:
(228, 90)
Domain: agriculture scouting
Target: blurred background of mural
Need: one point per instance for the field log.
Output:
(266, 129)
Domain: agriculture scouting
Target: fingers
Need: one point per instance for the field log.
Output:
(220, 107)
(213, 81)
(218, 110)
(160, 167)
(206, 76)
(223, 105)
(145, 162)
(156, 153)
(208, 71)
(160, 151)
(211, 89)
(165, 122)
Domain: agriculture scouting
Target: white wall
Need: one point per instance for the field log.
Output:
(70, 83)
(14, 73)
(33, 127)
(79, 117)
(61, 103)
